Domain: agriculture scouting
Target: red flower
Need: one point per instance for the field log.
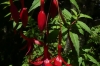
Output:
(14, 12)
(41, 20)
(30, 42)
(54, 8)
(58, 61)
(47, 62)
(24, 16)
(42, 17)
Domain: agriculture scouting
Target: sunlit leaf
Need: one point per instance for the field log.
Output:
(93, 59)
(80, 29)
(7, 14)
(80, 61)
(75, 41)
(74, 12)
(35, 4)
(6, 2)
(75, 4)
(84, 26)
(83, 63)
(67, 13)
(14, 24)
(19, 26)
(85, 16)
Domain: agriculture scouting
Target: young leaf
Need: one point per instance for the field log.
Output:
(93, 60)
(75, 4)
(86, 16)
(84, 26)
(35, 4)
(75, 41)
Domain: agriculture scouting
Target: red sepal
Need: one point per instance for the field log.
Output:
(14, 12)
(41, 20)
(24, 16)
(53, 8)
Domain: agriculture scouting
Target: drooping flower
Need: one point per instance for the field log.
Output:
(14, 12)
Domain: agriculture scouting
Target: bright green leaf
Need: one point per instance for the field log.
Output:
(7, 2)
(75, 4)
(67, 13)
(84, 26)
(74, 12)
(35, 4)
(80, 61)
(19, 26)
(83, 63)
(92, 59)
(80, 29)
(85, 16)
(75, 41)
(14, 24)
(7, 14)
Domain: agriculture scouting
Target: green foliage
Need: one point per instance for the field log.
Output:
(94, 37)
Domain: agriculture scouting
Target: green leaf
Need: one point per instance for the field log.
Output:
(84, 26)
(19, 26)
(14, 24)
(80, 61)
(64, 32)
(93, 60)
(7, 2)
(85, 16)
(67, 13)
(75, 4)
(35, 4)
(80, 29)
(74, 12)
(7, 14)
(75, 41)
(83, 63)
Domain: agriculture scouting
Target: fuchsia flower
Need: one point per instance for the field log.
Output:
(23, 14)
(14, 12)
(41, 17)
(30, 42)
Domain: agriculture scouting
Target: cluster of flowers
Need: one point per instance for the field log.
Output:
(45, 59)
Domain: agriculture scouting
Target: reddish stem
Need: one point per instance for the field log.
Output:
(42, 5)
(22, 3)
(11, 2)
